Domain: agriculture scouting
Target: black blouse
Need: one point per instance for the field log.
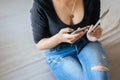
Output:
(46, 23)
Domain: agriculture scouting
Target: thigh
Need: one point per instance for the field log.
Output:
(66, 68)
(94, 61)
(93, 53)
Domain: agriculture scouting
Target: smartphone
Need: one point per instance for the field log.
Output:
(98, 22)
(87, 27)
(79, 30)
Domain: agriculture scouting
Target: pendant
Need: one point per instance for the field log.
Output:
(71, 16)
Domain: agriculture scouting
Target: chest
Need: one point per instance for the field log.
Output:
(63, 12)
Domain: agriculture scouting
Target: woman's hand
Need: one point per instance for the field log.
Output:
(95, 34)
(63, 35)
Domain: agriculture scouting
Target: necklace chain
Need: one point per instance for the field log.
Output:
(73, 8)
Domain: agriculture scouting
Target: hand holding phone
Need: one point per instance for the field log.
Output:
(92, 28)
(79, 30)
(98, 22)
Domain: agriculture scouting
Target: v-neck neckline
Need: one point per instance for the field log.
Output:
(64, 24)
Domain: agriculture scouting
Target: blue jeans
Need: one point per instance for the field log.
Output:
(76, 62)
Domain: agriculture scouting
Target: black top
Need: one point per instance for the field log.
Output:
(46, 23)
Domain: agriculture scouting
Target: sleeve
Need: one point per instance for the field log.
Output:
(95, 15)
(39, 22)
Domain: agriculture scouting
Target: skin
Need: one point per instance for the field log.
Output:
(66, 7)
(97, 32)
(62, 35)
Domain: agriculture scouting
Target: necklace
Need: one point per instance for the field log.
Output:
(71, 15)
(73, 8)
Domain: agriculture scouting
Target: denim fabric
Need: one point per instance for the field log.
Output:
(75, 61)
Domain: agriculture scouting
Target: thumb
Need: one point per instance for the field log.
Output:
(67, 30)
(90, 29)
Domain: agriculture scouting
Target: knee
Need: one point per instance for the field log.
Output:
(100, 67)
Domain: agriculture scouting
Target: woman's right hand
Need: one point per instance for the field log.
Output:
(64, 36)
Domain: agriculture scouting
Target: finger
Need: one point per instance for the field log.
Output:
(98, 29)
(75, 37)
(68, 36)
(84, 31)
(66, 30)
(96, 32)
(80, 34)
(71, 40)
(78, 28)
(90, 29)
(97, 35)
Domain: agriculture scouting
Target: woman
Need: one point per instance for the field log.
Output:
(70, 56)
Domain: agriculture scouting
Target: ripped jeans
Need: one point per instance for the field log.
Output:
(72, 62)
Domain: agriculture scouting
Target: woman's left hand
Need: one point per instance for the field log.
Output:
(97, 32)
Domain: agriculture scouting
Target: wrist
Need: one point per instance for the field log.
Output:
(58, 38)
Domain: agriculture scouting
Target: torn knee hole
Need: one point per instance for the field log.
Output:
(100, 67)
